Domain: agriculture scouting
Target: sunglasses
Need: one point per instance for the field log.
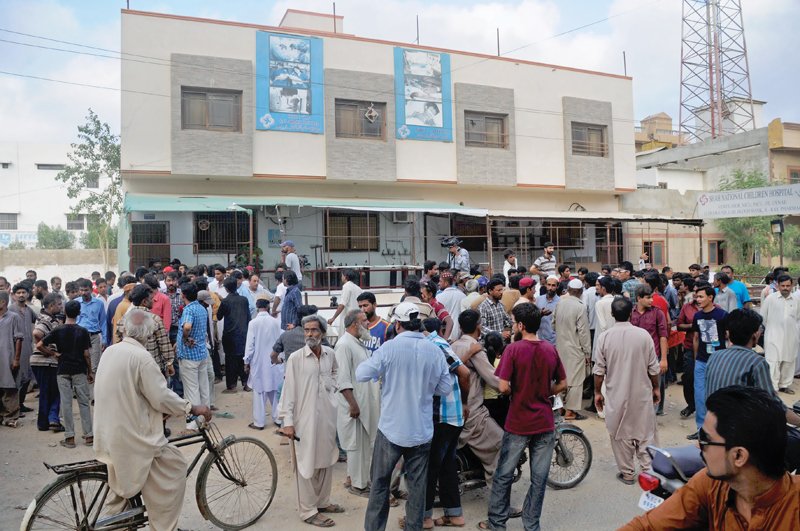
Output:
(704, 440)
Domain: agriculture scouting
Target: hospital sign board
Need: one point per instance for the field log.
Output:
(750, 202)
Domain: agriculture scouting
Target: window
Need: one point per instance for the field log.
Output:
(360, 119)
(5, 165)
(93, 181)
(352, 232)
(655, 251)
(213, 110)
(716, 253)
(76, 221)
(224, 232)
(589, 140)
(793, 174)
(56, 167)
(8, 221)
(485, 130)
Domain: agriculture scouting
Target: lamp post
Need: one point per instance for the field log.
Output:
(249, 211)
(776, 225)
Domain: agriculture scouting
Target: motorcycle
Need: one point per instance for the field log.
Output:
(672, 468)
(572, 458)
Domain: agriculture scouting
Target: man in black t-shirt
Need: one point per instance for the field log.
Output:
(708, 326)
(70, 344)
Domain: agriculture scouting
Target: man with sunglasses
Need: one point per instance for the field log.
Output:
(745, 484)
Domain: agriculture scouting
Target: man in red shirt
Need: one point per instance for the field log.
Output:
(685, 319)
(531, 372)
(440, 312)
(654, 321)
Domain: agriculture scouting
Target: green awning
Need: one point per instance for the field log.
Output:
(217, 203)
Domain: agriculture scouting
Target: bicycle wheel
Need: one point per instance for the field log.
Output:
(572, 458)
(73, 501)
(236, 486)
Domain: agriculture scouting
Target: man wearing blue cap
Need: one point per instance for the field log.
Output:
(292, 261)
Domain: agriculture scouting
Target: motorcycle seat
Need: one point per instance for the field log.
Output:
(687, 458)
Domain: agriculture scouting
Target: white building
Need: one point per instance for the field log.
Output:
(362, 151)
(32, 195)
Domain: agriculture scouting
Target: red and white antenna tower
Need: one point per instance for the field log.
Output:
(716, 96)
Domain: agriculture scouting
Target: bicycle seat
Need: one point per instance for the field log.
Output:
(686, 458)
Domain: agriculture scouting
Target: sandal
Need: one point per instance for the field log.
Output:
(484, 524)
(332, 508)
(577, 416)
(11, 423)
(402, 523)
(446, 521)
(364, 493)
(88, 441)
(253, 426)
(67, 443)
(624, 479)
(393, 502)
(320, 521)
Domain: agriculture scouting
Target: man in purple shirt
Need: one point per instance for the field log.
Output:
(654, 322)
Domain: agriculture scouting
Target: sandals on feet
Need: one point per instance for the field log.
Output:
(402, 523)
(320, 521)
(66, 443)
(332, 508)
(446, 521)
(253, 426)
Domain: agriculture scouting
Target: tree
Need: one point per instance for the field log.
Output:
(746, 236)
(91, 238)
(95, 156)
(54, 237)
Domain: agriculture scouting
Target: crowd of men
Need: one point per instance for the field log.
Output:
(465, 360)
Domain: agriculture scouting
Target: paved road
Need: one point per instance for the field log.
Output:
(600, 502)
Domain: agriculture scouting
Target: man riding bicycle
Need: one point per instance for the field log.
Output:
(131, 395)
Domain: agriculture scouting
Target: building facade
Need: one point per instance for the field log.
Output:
(32, 195)
(363, 152)
(671, 180)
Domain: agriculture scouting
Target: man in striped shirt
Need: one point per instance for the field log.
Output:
(448, 420)
(739, 364)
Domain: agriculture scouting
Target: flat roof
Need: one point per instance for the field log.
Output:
(347, 36)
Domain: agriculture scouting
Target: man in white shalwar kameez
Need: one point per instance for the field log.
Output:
(359, 403)
(626, 361)
(348, 300)
(781, 312)
(308, 410)
(264, 377)
(130, 397)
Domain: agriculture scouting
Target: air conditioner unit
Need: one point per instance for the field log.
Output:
(402, 217)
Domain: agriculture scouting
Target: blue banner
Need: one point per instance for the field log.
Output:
(289, 77)
(422, 92)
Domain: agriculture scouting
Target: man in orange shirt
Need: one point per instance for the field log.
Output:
(745, 484)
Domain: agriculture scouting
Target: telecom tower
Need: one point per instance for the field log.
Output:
(716, 96)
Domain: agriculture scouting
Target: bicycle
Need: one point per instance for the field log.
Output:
(237, 472)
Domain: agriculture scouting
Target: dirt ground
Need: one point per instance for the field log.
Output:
(600, 502)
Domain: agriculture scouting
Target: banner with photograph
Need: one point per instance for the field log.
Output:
(422, 93)
(289, 90)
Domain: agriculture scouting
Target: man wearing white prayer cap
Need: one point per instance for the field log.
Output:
(571, 325)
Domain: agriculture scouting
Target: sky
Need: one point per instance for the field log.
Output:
(589, 34)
